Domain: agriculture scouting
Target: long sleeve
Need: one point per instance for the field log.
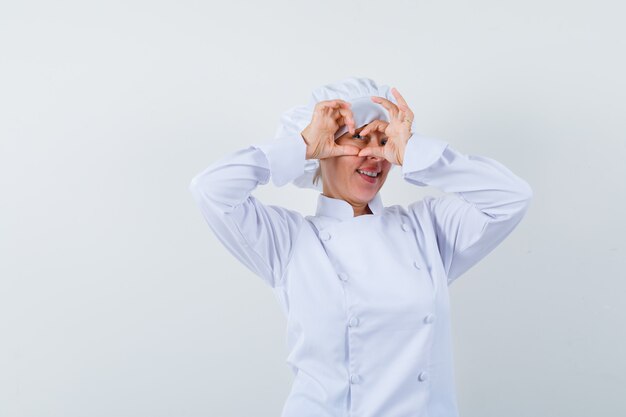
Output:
(260, 236)
(485, 203)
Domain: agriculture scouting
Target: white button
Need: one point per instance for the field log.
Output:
(354, 379)
(343, 276)
(354, 321)
(324, 235)
(429, 318)
(423, 376)
(405, 227)
(417, 265)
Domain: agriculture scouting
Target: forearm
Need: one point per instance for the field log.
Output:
(229, 181)
(259, 236)
(483, 182)
(487, 201)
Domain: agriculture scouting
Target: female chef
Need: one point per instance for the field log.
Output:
(364, 287)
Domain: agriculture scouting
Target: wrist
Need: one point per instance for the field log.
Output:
(309, 151)
(307, 154)
(401, 155)
(402, 148)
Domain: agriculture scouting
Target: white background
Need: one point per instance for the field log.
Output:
(117, 300)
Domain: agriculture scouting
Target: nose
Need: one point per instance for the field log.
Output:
(373, 143)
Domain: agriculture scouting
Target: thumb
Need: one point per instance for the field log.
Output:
(373, 151)
(339, 150)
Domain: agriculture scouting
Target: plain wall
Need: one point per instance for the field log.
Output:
(117, 300)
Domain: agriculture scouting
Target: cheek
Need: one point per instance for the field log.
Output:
(340, 169)
(386, 169)
(344, 164)
(336, 167)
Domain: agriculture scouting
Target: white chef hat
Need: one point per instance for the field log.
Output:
(358, 92)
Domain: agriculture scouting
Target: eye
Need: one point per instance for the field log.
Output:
(382, 142)
(356, 136)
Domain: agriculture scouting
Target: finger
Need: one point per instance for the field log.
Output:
(390, 106)
(376, 125)
(373, 151)
(334, 104)
(401, 115)
(406, 110)
(366, 130)
(339, 150)
(399, 97)
(342, 104)
(347, 119)
(406, 114)
(340, 112)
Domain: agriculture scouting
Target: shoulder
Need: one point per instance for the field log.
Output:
(416, 207)
(285, 212)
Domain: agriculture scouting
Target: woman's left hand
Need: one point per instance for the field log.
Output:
(398, 130)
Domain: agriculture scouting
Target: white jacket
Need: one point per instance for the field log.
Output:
(366, 297)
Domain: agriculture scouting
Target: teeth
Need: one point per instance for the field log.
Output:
(369, 174)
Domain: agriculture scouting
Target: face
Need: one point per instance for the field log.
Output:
(341, 177)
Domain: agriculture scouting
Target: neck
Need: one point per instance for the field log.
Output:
(359, 209)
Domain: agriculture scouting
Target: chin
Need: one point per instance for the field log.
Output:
(364, 195)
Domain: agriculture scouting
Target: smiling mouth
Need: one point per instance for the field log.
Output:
(368, 173)
(368, 176)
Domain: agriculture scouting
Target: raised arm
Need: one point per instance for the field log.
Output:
(262, 236)
(485, 204)
(486, 199)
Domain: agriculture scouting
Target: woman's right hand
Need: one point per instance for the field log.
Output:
(319, 135)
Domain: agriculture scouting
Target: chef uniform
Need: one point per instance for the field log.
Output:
(366, 298)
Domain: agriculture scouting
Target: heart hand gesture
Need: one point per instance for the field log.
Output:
(319, 135)
(398, 130)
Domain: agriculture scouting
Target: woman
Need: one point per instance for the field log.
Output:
(364, 287)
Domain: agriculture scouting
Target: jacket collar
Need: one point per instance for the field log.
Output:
(342, 210)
